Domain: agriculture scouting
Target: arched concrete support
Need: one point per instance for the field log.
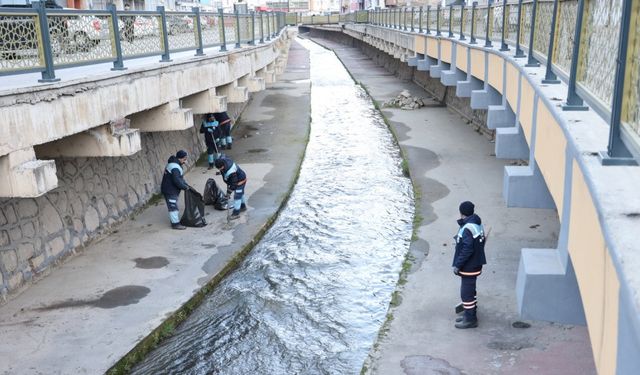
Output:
(205, 102)
(628, 361)
(167, 117)
(500, 116)
(546, 286)
(452, 76)
(524, 186)
(25, 176)
(435, 71)
(511, 143)
(253, 84)
(234, 93)
(413, 61)
(269, 76)
(482, 99)
(547, 289)
(465, 88)
(101, 141)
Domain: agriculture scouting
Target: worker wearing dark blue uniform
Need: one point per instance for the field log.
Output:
(468, 261)
(211, 131)
(224, 122)
(236, 180)
(172, 183)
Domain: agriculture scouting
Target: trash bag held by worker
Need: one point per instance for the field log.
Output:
(193, 215)
(214, 196)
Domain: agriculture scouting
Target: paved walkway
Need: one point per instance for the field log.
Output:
(450, 163)
(92, 310)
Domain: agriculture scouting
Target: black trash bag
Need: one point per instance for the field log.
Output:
(214, 196)
(193, 215)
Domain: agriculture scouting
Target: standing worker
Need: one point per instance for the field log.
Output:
(236, 180)
(129, 22)
(468, 261)
(172, 183)
(209, 128)
(225, 128)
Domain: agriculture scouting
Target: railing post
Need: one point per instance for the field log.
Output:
(237, 16)
(273, 28)
(428, 19)
(413, 16)
(269, 26)
(48, 75)
(574, 102)
(532, 62)
(420, 20)
(119, 63)
(462, 37)
(261, 29)
(165, 35)
(617, 153)
(473, 23)
(487, 40)
(198, 29)
(450, 21)
(504, 46)
(438, 33)
(252, 41)
(550, 77)
(223, 47)
(519, 51)
(404, 19)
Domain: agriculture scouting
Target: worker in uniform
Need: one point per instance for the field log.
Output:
(224, 122)
(210, 130)
(468, 260)
(172, 183)
(236, 181)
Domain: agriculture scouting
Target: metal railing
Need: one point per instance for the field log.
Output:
(43, 40)
(592, 45)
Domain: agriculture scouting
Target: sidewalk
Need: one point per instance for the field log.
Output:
(450, 163)
(96, 307)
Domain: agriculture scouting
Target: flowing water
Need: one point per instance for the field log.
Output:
(313, 293)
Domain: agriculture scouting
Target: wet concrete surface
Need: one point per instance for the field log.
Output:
(113, 311)
(450, 163)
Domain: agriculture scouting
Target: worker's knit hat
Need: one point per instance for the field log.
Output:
(466, 208)
(181, 154)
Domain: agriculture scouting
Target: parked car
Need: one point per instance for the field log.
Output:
(179, 25)
(87, 31)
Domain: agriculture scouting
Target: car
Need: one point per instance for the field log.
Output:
(86, 32)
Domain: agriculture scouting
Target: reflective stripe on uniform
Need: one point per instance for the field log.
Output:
(475, 273)
(231, 170)
(172, 166)
(475, 229)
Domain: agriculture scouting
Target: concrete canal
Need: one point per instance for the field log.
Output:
(313, 294)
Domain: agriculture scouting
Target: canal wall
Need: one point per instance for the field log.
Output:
(92, 196)
(444, 94)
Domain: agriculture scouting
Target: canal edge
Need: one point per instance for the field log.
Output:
(168, 326)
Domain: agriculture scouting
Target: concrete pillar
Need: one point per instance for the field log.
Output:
(26, 177)
(464, 88)
(413, 61)
(166, 117)
(426, 64)
(482, 99)
(500, 116)
(546, 286)
(102, 141)
(269, 76)
(452, 77)
(524, 186)
(511, 143)
(234, 93)
(253, 84)
(205, 102)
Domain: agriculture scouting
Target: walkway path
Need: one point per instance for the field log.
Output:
(450, 163)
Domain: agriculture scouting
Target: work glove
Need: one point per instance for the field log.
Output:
(456, 271)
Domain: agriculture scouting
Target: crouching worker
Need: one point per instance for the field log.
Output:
(236, 180)
(210, 130)
(468, 261)
(172, 183)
